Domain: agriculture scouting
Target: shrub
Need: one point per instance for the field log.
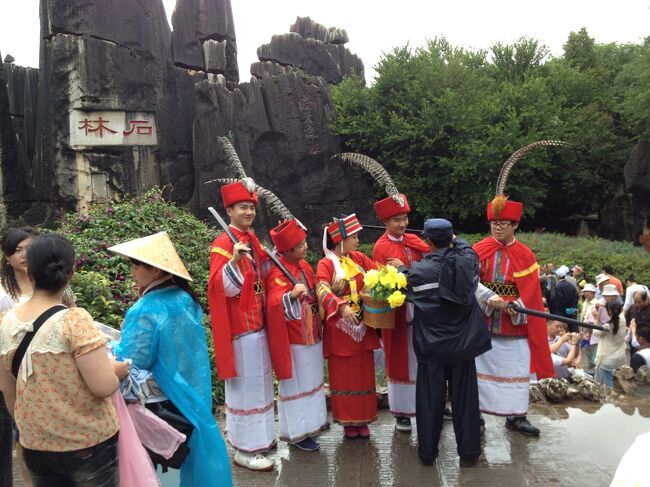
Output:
(589, 253)
(102, 282)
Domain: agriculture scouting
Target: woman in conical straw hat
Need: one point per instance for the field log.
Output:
(163, 333)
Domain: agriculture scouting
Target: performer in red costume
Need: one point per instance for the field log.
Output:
(295, 340)
(348, 343)
(519, 344)
(395, 247)
(236, 298)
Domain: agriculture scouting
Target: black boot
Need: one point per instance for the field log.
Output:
(403, 423)
(521, 424)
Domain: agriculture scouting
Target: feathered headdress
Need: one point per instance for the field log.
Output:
(500, 203)
(236, 165)
(272, 201)
(376, 170)
(386, 208)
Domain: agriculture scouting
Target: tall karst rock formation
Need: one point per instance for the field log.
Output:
(122, 102)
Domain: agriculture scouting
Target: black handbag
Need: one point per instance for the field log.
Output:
(166, 411)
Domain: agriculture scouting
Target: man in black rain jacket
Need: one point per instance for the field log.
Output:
(449, 331)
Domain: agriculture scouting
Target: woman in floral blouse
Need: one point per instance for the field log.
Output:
(60, 398)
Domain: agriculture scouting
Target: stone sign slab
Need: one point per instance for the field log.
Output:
(112, 128)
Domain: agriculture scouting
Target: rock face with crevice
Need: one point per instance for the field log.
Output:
(315, 49)
(278, 125)
(626, 215)
(18, 121)
(122, 55)
(203, 37)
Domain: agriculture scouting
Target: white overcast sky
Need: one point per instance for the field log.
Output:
(376, 26)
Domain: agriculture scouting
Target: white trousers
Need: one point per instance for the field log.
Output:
(301, 399)
(504, 376)
(249, 396)
(401, 394)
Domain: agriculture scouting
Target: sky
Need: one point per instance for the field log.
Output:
(377, 26)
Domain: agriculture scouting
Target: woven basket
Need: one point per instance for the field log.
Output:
(377, 314)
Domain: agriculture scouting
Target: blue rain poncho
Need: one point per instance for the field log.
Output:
(162, 332)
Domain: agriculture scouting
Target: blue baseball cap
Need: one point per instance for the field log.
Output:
(437, 229)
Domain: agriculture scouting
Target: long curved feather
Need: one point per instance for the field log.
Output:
(270, 199)
(516, 156)
(223, 181)
(235, 163)
(274, 203)
(276, 206)
(375, 169)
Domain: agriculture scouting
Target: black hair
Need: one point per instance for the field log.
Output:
(643, 331)
(11, 238)
(614, 309)
(185, 286)
(631, 278)
(441, 244)
(608, 269)
(50, 261)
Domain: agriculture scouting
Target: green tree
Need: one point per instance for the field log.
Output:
(514, 62)
(632, 84)
(579, 50)
(443, 119)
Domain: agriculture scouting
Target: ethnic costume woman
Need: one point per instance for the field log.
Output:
(348, 343)
(163, 333)
(295, 340)
(394, 245)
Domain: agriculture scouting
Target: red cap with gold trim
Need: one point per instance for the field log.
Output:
(287, 235)
(388, 208)
(342, 228)
(501, 208)
(236, 193)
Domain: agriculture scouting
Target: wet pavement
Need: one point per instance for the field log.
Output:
(581, 445)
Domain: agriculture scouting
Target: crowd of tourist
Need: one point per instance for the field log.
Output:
(622, 313)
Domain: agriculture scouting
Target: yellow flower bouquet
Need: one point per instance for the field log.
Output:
(381, 295)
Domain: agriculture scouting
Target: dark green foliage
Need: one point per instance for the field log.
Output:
(589, 253)
(102, 281)
(443, 119)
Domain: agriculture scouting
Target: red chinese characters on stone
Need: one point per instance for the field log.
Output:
(87, 127)
(141, 127)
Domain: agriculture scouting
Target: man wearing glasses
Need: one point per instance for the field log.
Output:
(519, 344)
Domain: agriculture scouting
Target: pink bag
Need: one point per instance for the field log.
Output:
(136, 469)
(154, 433)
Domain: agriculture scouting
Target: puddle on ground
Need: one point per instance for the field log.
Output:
(604, 432)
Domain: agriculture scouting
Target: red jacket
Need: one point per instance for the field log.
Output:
(519, 267)
(282, 331)
(409, 250)
(229, 319)
(336, 341)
